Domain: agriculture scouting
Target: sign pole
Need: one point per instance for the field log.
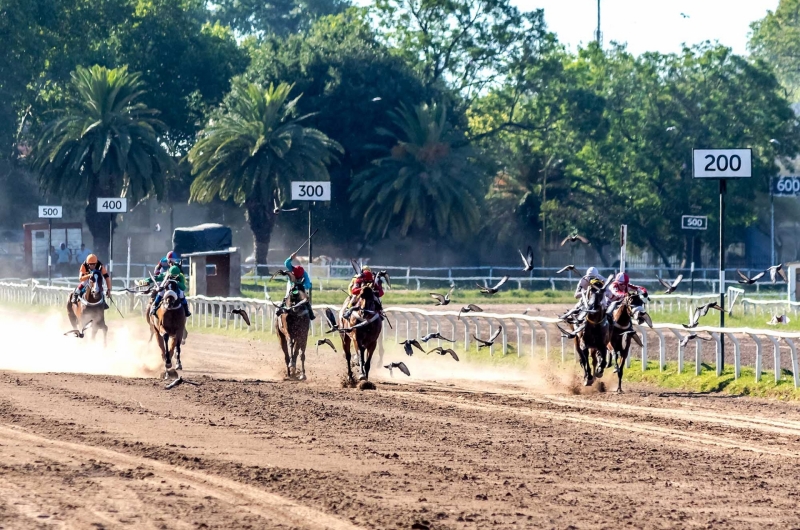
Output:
(111, 243)
(771, 223)
(128, 273)
(49, 252)
(310, 240)
(623, 247)
(691, 289)
(722, 189)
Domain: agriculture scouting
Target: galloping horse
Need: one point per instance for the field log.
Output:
(90, 306)
(622, 332)
(362, 328)
(293, 325)
(594, 337)
(169, 323)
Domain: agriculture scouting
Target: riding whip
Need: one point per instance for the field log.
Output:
(306, 241)
(116, 307)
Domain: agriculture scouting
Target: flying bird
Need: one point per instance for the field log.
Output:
(527, 259)
(749, 281)
(775, 271)
(400, 366)
(471, 308)
(670, 129)
(431, 336)
(277, 209)
(407, 346)
(670, 287)
(79, 332)
(445, 351)
(684, 15)
(442, 300)
(700, 312)
(492, 290)
(567, 268)
(327, 341)
(242, 313)
(573, 238)
(490, 342)
(570, 334)
(694, 336)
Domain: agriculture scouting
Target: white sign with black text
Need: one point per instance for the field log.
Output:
(112, 205)
(50, 212)
(722, 163)
(311, 191)
(694, 222)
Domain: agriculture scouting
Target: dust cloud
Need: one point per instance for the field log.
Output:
(36, 343)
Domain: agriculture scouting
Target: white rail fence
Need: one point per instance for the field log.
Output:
(520, 334)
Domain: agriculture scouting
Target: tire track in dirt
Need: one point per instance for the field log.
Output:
(275, 509)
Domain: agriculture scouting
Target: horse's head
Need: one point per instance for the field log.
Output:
(636, 309)
(366, 299)
(95, 285)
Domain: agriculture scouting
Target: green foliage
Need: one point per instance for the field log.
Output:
(776, 40)
(424, 181)
(276, 17)
(105, 143)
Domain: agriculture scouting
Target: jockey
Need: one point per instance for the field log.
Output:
(358, 282)
(87, 270)
(174, 273)
(591, 274)
(301, 279)
(166, 262)
(620, 287)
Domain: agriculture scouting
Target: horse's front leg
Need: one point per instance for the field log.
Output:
(347, 355)
(362, 365)
(368, 362)
(178, 365)
(583, 355)
(302, 363)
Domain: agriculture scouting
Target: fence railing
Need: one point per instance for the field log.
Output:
(520, 334)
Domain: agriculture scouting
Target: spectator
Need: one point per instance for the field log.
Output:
(62, 263)
(82, 254)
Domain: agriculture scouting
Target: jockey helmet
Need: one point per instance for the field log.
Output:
(592, 272)
(164, 261)
(173, 256)
(366, 268)
(596, 282)
(622, 278)
(91, 259)
(174, 271)
(366, 274)
(298, 273)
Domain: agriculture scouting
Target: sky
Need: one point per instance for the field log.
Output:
(653, 25)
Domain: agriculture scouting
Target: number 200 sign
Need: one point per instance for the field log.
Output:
(722, 163)
(311, 191)
(112, 205)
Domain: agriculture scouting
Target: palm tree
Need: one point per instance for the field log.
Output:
(251, 151)
(424, 182)
(105, 143)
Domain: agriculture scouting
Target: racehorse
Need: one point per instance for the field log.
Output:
(169, 323)
(594, 337)
(362, 329)
(293, 325)
(90, 306)
(622, 333)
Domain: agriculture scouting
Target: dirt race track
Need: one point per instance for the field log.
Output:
(453, 446)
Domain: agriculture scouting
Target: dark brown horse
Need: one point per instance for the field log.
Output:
(293, 325)
(595, 336)
(169, 324)
(362, 329)
(631, 310)
(90, 306)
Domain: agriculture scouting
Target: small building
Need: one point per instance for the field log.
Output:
(214, 265)
(36, 244)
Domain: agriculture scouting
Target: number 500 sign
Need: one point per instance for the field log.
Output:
(311, 191)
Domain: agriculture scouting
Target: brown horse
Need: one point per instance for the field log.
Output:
(622, 332)
(293, 326)
(90, 306)
(594, 337)
(362, 328)
(169, 323)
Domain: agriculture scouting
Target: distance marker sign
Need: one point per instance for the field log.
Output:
(112, 205)
(50, 212)
(722, 163)
(311, 191)
(694, 222)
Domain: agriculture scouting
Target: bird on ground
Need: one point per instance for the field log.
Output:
(330, 319)
(327, 341)
(570, 334)
(749, 281)
(775, 271)
(242, 313)
(694, 336)
(567, 268)
(700, 312)
(471, 308)
(445, 351)
(527, 259)
(670, 287)
(407, 346)
(400, 366)
(489, 291)
(277, 209)
(79, 332)
(490, 342)
(573, 238)
(442, 300)
(431, 336)
(778, 319)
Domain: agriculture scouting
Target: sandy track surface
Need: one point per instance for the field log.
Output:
(455, 446)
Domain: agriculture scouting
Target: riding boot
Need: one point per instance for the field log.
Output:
(156, 303)
(311, 315)
(185, 305)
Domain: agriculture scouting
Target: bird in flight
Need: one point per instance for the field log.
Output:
(489, 291)
(700, 312)
(573, 238)
(471, 308)
(400, 366)
(490, 342)
(79, 332)
(775, 271)
(749, 281)
(327, 341)
(407, 346)
(443, 351)
(694, 336)
(670, 287)
(567, 268)
(431, 336)
(527, 259)
(442, 300)
(277, 209)
(242, 313)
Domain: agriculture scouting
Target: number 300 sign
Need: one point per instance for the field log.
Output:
(311, 191)
(722, 163)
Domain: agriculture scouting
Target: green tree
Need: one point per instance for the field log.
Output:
(252, 149)
(424, 183)
(275, 17)
(106, 143)
(776, 39)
